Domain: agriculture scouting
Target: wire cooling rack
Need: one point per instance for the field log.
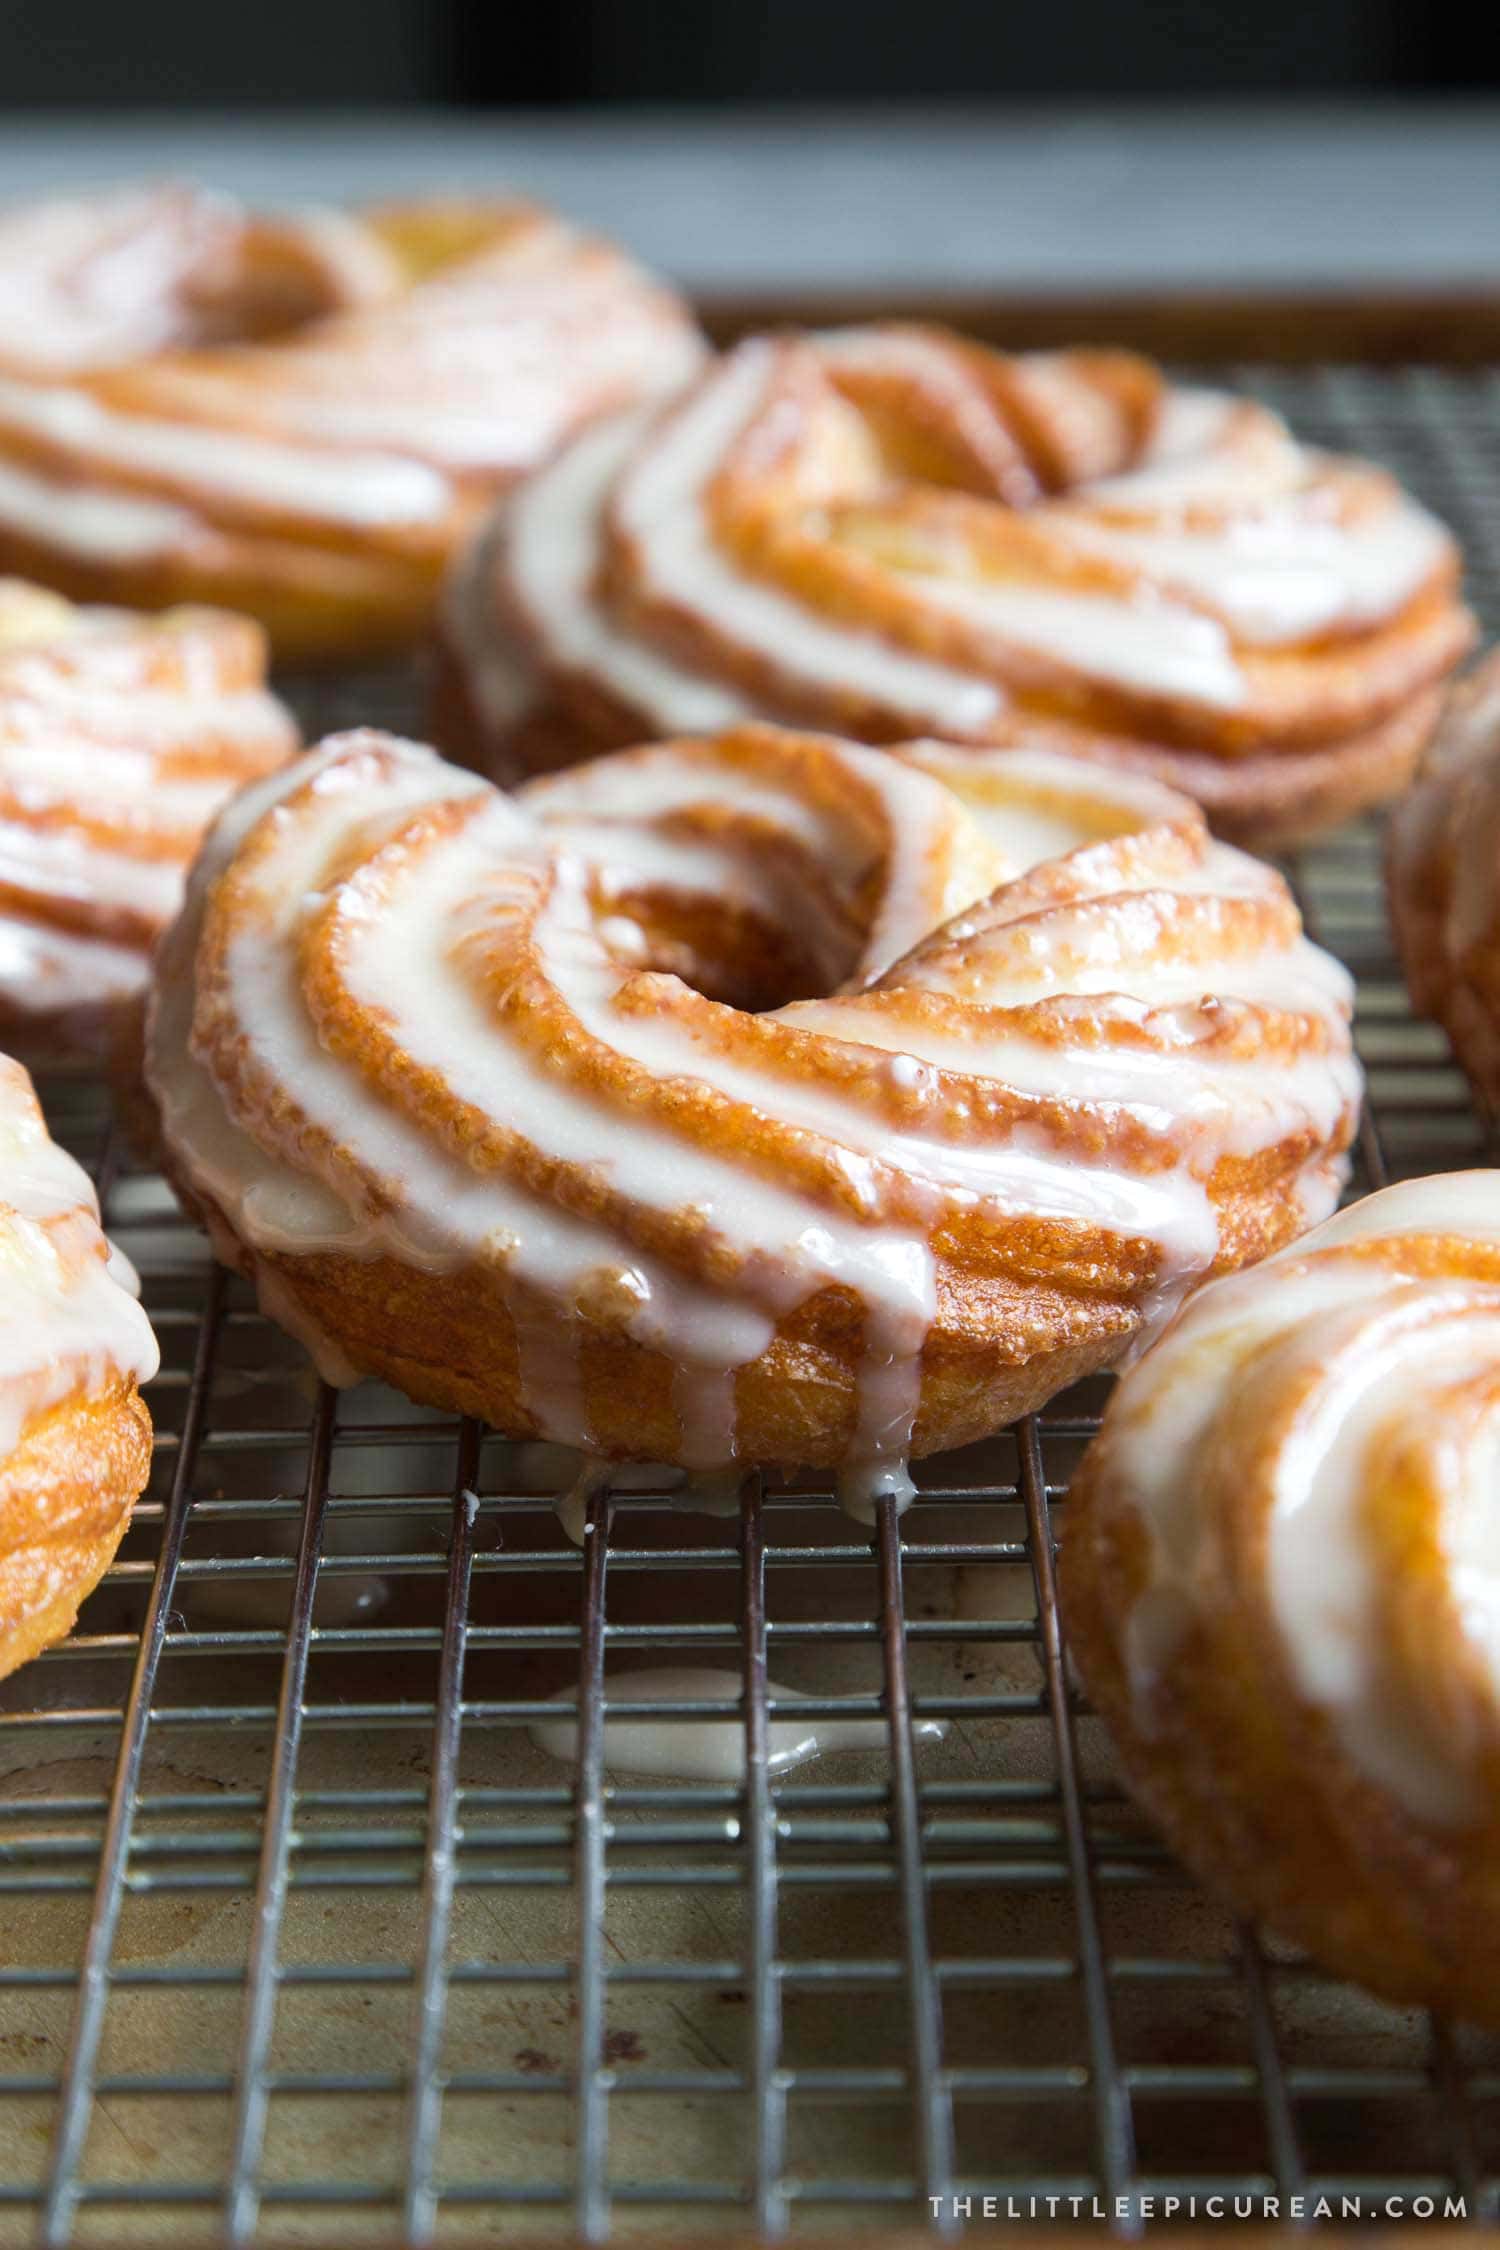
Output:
(305, 1940)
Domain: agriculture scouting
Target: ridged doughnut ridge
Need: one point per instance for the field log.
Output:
(120, 738)
(892, 530)
(937, 1076)
(297, 417)
(69, 1320)
(1281, 1586)
(1443, 874)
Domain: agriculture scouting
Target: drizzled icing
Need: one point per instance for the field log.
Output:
(96, 281)
(893, 530)
(69, 1320)
(402, 1014)
(120, 737)
(1376, 1336)
(179, 376)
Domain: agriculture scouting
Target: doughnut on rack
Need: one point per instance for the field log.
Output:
(306, 1942)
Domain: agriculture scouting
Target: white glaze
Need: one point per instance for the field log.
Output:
(68, 1320)
(89, 281)
(407, 938)
(41, 963)
(1225, 535)
(549, 539)
(118, 743)
(1287, 576)
(1144, 643)
(659, 503)
(347, 488)
(705, 1749)
(366, 417)
(425, 1207)
(98, 526)
(1208, 451)
(1370, 1348)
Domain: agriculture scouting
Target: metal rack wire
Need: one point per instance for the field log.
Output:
(306, 1938)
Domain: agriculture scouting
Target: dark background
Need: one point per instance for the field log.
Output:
(544, 53)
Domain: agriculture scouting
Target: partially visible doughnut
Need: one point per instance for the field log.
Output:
(297, 418)
(120, 738)
(1280, 1589)
(75, 1436)
(1443, 877)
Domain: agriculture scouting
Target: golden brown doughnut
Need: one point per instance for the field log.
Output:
(1280, 1591)
(75, 1437)
(759, 1098)
(892, 531)
(1443, 877)
(298, 418)
(120, 738)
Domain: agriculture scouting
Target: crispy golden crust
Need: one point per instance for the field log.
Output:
(624, 1031)
(373, 380)
(66, 1493)
(1443, 877)
(1002, 1345)
(915, 502)
(120, 738)
(1267, 803)
(1259, 1788)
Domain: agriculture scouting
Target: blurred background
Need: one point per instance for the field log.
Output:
(910, 149)
(480, 52)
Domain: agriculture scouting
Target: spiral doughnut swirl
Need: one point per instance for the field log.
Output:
(1280, 1588)
(120, 738)
(891, 531)
(535, 1106)
(75, 1438)
(298, 418)
(1443, 877)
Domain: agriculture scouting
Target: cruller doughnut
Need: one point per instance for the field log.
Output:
(298, 417)
(75, 1437)
(1443, 877)
(1279, 1586)
(120, 738)
(759, 1098)
(894, 531)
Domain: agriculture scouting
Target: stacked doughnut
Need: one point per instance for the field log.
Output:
(75, 1438)
(756, 1098)
(299, 417)
(120, 738)
(1280, 1589)
(892, 530)
(1443, 877)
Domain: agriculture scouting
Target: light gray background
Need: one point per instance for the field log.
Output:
(1361, 197)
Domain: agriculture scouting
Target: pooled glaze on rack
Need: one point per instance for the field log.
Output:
(700, 1748)
(298, 415)
(120, 738)
(1364, 1358)
(69, 1319)
(890, 530)
(1073, 1054)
